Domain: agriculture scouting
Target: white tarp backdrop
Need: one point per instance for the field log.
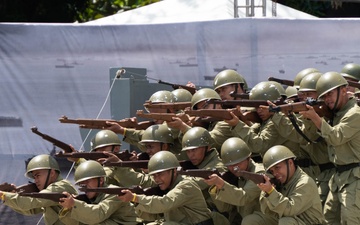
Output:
(49, 70)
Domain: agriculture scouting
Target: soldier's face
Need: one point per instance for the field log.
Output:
(91, 183)
(333, 96)
(236, 168)
(226, 90)
(40, 177)
(196, 155)
(280, 171)
(263, 112)
(163, 179)
(152, 148)
(113, 149)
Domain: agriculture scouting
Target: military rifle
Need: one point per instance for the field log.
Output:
(319, 107)
(282, 81)
(53, 196)
(353, 84)
(26, 188)
(224, 114)
(101, 123)
(173, 106)
(67, 148)
(185, 164)
(227, 176)
(192, 90)
(244, 102)
(162, 116)
(125, 155)
(118, 190)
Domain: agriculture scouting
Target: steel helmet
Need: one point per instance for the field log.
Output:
(291, 92)
(88, 170)
(162, 96)
(104, 138)
(196, 137)
(351, 70)
(161, 161)
(226, 77)
(234, 150)
(328, 82)
(181, 95)
(280, 88)
(308, 83)
(264, 91)
(202, 95)
(276, 154)
(157, 133)
(41, 162)
(302, 74)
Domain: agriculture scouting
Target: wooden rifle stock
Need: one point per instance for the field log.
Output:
(162, 116)
(124, 155)
(244, 102)
(101, 123)
(53, 196)
(319, 107)
(282, 81)
(177, 86)
(56, 142)
(118, 190)
(224, 114)
(25, 188)
(174, 106)
(257, 178)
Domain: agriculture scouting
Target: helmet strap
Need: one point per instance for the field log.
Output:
(47, 179)
(112, 149)
(288, 171)
(337, 100)
(236, 90)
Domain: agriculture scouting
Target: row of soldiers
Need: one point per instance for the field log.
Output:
(310, 162)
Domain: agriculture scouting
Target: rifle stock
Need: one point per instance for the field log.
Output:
(101, 123)
(239, 95)
(282, 81)
(203, 173)
(118, 190)
(174, 106)
(30, 187)
(162, 116)
(319, 107)
(224, 114)
(124, 155)
(56, 142)
(177, 86)
(53, 196)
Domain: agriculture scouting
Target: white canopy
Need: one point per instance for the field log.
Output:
(176, 11)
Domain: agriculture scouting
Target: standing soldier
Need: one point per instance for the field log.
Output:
(294, 200)
(342, 136)
(44, 169)
(103, 208)
(235, 155)
(182, 202)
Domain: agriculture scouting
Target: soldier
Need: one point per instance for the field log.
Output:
(293, 200)
(181, 95)
(351, 72)
(235, 155)
(227, 82)
(182, 202)
(44, 169)
(342, 137)
(219, 130)
(103, 208)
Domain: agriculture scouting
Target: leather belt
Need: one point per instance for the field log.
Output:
(343, 168)
(304, 162)
(326, 166)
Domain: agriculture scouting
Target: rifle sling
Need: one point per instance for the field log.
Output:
(297, 128)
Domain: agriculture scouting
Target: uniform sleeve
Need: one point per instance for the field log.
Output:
(128, 177)
(220, 133)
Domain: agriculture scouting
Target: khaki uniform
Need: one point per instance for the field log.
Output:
(270, 135)
(183, 204)
(220, 132)
(292, 204)
(49, 208)
(104, 209)
(343, 138)
(128, 177)
(244, 196)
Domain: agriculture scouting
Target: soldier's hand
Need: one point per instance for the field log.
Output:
(68, 202)
(214, 179)
(126, 196)
(115, 127)
(72, 150)
(233, 121)
(267, 186)
(312, 115)
(111, 158)
(177, 123)
(191, 84)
